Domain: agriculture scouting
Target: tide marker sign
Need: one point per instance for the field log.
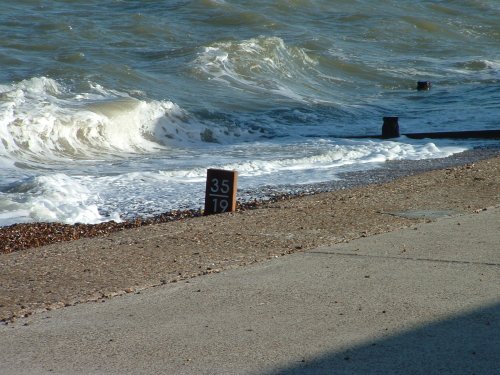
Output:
(220, 194)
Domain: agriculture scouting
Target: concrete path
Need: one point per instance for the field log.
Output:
(425, 300)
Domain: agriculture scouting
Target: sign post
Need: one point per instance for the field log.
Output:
(220, 193)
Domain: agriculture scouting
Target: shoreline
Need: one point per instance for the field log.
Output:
(128, 261)
(387, 172)
(22, 236)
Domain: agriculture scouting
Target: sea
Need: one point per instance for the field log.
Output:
(115, 109)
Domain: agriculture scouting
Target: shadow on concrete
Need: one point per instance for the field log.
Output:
(464, 344)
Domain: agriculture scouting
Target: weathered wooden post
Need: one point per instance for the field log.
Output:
(390, 128)
(220, 193)
(423, 85)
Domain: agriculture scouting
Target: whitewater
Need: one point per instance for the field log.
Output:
(116, 110)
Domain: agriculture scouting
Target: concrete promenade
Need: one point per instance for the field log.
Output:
(423, 300)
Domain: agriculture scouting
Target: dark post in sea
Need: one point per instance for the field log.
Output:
(423, 85)
(390, 128)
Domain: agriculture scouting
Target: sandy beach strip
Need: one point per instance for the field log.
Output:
(119, 260)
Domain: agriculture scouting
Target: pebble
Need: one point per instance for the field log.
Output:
(18, 237)
(30, 235)
(23, 236)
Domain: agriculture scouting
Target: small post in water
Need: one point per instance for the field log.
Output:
(390, 128)
(423, 85)
(220, 193)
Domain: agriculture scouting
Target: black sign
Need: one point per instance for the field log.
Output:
(220, 194)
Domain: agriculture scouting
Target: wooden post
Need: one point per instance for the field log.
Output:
(390, 128)
(423, 85)
(220, 193)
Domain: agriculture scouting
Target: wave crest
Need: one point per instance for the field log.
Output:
(263, 64)
(40, 119)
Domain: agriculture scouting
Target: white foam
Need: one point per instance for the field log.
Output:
(61, 198)
(260, 65)
(41, 120)
(319, 155)
(51, 198)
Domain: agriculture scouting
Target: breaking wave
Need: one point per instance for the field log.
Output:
(262, 65)
(42, 120)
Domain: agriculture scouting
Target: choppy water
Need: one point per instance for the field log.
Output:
(112, 109)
